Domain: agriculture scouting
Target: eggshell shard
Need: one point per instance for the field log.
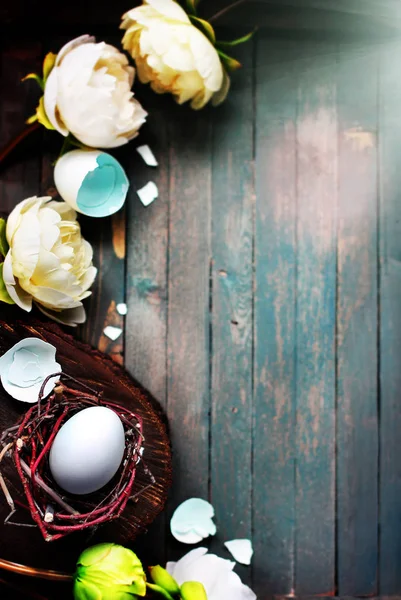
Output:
(92, 182)
(88, 450)
(147, 155)
(148, 193)
(122, 308)
(241, 550)
(24, 368)
(113, 333)
(192, 521)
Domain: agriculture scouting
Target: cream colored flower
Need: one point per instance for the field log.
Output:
(88, 93)
(48, 261)
(173, 55)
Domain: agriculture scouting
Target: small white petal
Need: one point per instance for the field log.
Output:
(148, 193)
(241, 550)
(122, 308)
(147, 155)
(112, 332)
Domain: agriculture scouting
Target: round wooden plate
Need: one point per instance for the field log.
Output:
(25, 545)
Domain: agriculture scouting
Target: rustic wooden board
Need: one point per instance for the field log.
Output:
(315, 317)
(357, 324)
(232, 311)
(390, 323)
(146, 281)
(188, 335)
(275, 262)
(25, 545)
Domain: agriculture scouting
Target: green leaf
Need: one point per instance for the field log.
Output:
(204, 27)
(191, 6)
(241, 40)
(36, 77)
(230, 64)
(48, 65)
(41, 114)
(4, 295)
(3, 240)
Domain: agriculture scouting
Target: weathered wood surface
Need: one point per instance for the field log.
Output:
(263, 294)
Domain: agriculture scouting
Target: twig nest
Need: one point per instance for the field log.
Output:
(24, 368)
(92, 182)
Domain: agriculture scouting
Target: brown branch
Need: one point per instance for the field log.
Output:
(225, 10)
(34, 572)
(8, 148)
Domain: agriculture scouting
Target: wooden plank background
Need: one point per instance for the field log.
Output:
(264, 302)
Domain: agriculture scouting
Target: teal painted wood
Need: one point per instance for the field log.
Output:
(20, 173)
(275, 261)
(315, 329)
(231, 306)
(390, 318)
(357, 322)
(146, 276)
(188, 335)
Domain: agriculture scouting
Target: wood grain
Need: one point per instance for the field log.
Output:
(20, 173)
(315, 330)
(188, 300)
(390, 320)
(357, 324)
(275, 260)
(232, 311)
(147, 242)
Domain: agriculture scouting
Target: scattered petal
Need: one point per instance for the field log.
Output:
(241, 550)
(112, 332)
(122, 308)
(148, 193)
(147, 155)
(25, 366)
(192, 521)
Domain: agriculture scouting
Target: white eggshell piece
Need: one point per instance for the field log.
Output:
(88, 450)
(70, 171)
(192, 521)
(122, 308)
(148, 193)
(112, 333)
(147, 155)
(241, 550)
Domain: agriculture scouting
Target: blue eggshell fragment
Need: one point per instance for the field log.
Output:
(103, 190)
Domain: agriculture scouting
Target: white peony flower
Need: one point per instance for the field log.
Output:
(48, 260)
(173, 55)
(88, 93)
(24, 368)
(216, 574)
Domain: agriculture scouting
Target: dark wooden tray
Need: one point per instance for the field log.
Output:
(25, 545)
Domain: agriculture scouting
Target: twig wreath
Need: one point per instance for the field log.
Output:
(29, 445)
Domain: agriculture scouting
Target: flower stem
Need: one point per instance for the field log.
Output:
(8, 148)
(33, 572)
(225, 10)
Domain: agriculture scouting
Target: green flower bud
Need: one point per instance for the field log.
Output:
(193, 590)
(163, 579)
(109, 572)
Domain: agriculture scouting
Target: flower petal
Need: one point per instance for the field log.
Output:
(15, 291)
(70, 316)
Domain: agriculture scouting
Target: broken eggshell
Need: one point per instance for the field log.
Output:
(92, 182)
(192, 521)
(24, 368)
(241, 550)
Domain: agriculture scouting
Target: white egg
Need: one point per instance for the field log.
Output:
(88, 450)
